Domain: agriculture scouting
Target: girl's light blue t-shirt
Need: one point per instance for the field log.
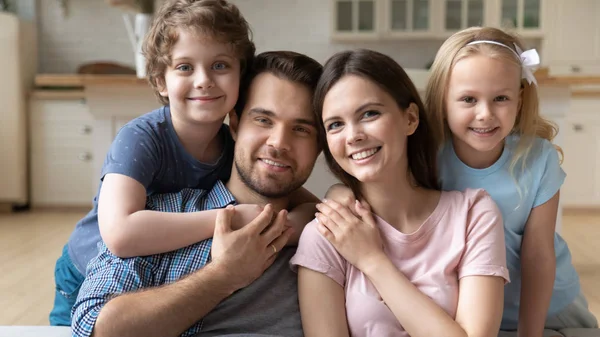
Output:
(516, 195)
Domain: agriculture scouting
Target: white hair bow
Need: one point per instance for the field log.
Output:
(530, 59)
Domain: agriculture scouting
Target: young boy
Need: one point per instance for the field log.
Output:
(197, 53)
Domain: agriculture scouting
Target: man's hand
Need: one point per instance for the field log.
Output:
(246, 253)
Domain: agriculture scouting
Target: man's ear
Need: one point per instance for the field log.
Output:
(234, 123)
(412, 114)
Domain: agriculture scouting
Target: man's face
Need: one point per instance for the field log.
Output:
(276, 138)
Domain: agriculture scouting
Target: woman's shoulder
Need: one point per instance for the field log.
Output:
(471, 200)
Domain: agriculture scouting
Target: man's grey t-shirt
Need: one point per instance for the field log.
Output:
(267, 307)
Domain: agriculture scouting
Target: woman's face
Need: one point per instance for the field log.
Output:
(366, 130)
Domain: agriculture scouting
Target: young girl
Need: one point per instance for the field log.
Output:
(430, 263)
(482, 97)
(197, 53)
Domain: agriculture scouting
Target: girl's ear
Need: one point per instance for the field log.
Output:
(412, 114)
(233, 124)
(520, 101)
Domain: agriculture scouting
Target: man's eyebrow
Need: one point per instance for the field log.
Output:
(269, 113)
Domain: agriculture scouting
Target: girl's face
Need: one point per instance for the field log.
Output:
(482, 103)
(366, 130)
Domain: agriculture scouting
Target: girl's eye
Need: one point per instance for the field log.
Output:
(184, 67)
(469, 100)
(333, 126)
(220, 66)
(501, 98)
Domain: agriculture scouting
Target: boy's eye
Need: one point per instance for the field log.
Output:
(220, 66)
(184, 67)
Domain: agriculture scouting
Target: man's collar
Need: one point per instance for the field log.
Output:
(219, 197)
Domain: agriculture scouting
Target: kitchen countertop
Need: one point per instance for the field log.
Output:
(77, 80)
(71, 86)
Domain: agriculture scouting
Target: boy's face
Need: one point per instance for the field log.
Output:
(202, 82)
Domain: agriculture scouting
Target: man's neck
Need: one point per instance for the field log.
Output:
(245, 195)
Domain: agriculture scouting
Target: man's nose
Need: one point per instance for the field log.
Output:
(280, 138)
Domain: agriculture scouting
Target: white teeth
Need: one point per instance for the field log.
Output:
(482, 130)
(270, 162)
(364, 154)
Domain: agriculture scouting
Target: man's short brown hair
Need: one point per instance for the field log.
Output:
(217, 19)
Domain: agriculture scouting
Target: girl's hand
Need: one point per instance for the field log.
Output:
(356, 238)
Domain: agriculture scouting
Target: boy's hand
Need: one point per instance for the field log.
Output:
(343, 195)
(244, 214)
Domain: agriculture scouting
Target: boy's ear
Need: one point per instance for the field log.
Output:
(234, 123)
(162, 87)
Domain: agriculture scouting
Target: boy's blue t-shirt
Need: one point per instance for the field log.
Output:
(148, 150)
(516, 195)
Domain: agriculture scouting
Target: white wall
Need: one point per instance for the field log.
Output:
(93, 31)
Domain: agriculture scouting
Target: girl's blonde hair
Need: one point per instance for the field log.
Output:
(528, 124)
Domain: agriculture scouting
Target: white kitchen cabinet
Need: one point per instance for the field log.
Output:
(581, 148)
(572, 43)
(410, 19)
(581, 153)
(61, 153)
(355, 19)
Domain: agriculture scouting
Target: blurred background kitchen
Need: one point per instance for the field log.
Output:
(69, 82)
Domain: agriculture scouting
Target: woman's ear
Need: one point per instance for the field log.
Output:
(412, 114)
(233, 124)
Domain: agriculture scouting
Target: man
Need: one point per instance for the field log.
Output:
(180, 293)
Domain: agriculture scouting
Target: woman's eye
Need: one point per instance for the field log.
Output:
(333, 126)
(371, 113)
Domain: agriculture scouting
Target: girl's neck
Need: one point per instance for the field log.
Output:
(477, 159)
(202, 141)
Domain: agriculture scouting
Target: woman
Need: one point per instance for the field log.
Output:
(429, 263)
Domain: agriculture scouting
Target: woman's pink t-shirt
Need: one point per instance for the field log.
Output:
(463, 236)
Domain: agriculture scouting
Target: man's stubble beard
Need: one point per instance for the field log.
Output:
(270, 188)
